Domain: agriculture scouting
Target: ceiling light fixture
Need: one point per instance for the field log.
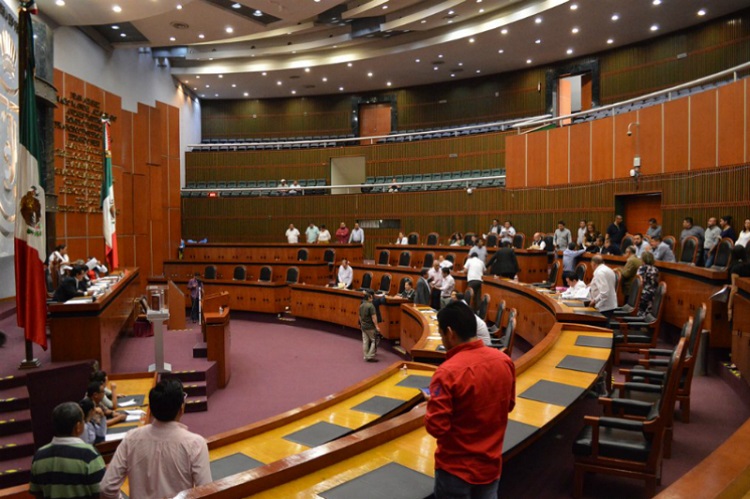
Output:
(528, 61)
(388, 84)
(348, 64)
(538, 20)
(236, 5)
(221, 76)
(369, 74)
(501, 51)
(575, 30)
(294, 92)
(258, 13)
(504, 31)
(615, 16)
(702, 12)
(341, 89)
(569, 51)
(479, 71)
(264, 73)
(574, 6)
(123, 35)
(117, 8)
(179, 6)
(60, 3)
(234, 85)
(656, 2)
(654, 27)
(229, 29)
(201, 36)
(538, 41)
(245, 94)
(610, 41)
(115, 26)
(471, 40)
(324, 79)
(307, 70)
(278, 83)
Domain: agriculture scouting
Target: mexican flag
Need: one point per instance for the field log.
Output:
(30, 244)
(108, 200)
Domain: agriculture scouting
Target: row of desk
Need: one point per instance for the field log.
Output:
(267, 252)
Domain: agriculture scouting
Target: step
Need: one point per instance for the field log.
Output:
(14, 399)
(185, 376)
(12, 381)
(16, 446)
(15, 472)
(196, 404)
(195, 388)
(200, 350)
(12, 422)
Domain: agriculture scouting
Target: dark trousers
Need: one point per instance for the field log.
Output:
(194, 310)
(449, 486)
(435, 299)
(475, 286)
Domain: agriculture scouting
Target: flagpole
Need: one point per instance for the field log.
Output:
(24, 38)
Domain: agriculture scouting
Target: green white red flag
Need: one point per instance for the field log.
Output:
(108, 200)
(30, 241)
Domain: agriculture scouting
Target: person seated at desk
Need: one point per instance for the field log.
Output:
(94, 427)
(295, 189)
(577, 289)
(508, 232)
(504, 262)
(345, 274)
(402, 239)
(380, 299)
(598, 245)
(662, 251)
(394, 187)
(610, 248)
(70, 286)
(483, 333)
(110, 393)
(457, 239)
(538, 242)
(95, 393)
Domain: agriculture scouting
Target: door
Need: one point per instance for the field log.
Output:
(374, 119)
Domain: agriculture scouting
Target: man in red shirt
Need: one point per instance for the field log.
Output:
(342, 234)
(471, 394)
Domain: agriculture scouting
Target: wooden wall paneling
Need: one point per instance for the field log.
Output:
(676, 141)
(515, 161)
(703, 130)
(126, 250)
(113, 105)
(175, 231)
(163, 126)
(155, 131)
(580, 153)
(731, 120)
(125, 205)
(76, 225)
(173, 121)
(156, 200)
(601, 149)
(125, 124)
(78, 247)
(143, 253)
(536, 168)
(652, 136)
(625, 146)
(141, 140)
(559, 170)
(141, 204)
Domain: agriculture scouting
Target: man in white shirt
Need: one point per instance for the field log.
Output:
(292, 234)
(312, 233)
(346, 274)
(640, 245)
(577, 289)
(711, 238)
(435, 277)
(538, 242)
(507, 232)
(324, 237)
(475, 269)
(581, 239)
(357, 236)
(162, 458)
(603, 287)
(447, 287)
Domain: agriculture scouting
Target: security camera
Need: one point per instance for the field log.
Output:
(630, 133)
(469, 191)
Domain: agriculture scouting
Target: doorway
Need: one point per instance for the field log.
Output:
(573, 94)
(374, 119)
(637, 209)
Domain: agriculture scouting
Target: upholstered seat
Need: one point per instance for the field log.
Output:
(384, 257)
(404, 259)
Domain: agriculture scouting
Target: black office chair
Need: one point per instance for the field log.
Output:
(429, 259)
(580, 271)
(413, 238)
(384, 257)
(329, 257)
(385, 283)
(433, 239)
(266, 274)
(404, 259)
(495, 327)
(484, 305)
(366, 283)
(492, 240)
(509, 334)
(209, 272)
(302, 255)
(240, 273)
(292, 275)
(519, 240)
(723, 254)
(468, 241)
(550, 282)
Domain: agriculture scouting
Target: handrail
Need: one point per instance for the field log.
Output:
(537, 122)
(508, 124)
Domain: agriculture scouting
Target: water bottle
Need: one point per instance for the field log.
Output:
(404, 370)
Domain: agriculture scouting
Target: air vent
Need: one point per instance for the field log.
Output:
(437, 63)
(308, 86)
(294, 77)
(177, 25)
(457, 70)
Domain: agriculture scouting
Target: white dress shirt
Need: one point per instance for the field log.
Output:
(474, 268)
(578, 292)
(346, 275)
(604, 288)
(292, 236)
(357, 236)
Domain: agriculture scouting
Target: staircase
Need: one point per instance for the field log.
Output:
(16, 439)
(199, 384)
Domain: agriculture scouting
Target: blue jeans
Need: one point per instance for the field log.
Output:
(449, 486)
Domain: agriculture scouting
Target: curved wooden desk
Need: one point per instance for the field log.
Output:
(341, 306)
(268, 252)
(533, 264)
(248, 296)
(404, 440)
(309, 272)
(88, 330)
(397, 273)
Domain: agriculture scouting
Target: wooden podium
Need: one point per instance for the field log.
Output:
(216, 333)
(176, 300)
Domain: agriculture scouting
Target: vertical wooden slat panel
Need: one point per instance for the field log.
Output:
(601, 149)
(703, 130)
(731, 123)
(676, 135)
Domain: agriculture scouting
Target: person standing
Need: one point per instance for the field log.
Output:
(311, 234)
(357, 236)
(603, 287)
(562, 237)
(446, 287)
(617, 231)
(630, 269)
(422, 296)
(67, 466)
(435, 277)
(195, 286)
(471, 395)
(162, 458)
(475, 269)
(324, 237)
(368, 322)
(580, 240)
(504, 262)
(292, 234)
(342, 234)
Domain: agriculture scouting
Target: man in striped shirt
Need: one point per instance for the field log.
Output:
(66, 467)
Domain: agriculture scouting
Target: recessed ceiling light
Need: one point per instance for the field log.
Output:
(341, 89)
(258, 13)
(574, 6)
(201, 36)
(216, 95)
(569, 51)
(123, 35)
(278, 83)
(208, 86)
(210, 58)
(229, 29)
(610, 41)
(324, 79)
(451, 12)
(416, 60)
(656, 2)
(615, 16)
(307, 70)
(294, 92)
(538, 20)
(471, 40)
(117, 8)
(423, 21)
(440, 56)
(195, 88)
(460, 64)
(501, 51)
(221, 76)
(385, 7)
(245, 94)
(179, 6)
(348, 64)
(115, 27)
(60, 3)
(504, 31)
(702, 12)
(574, 30)
(479, 71)
(172, 39)
(435, 68)
(528, 61)
(234, 85)
(388, 84)
(236, 5)
(654, 27)
(264, 73)
(453, 75)
(369, 74)
(481, 11)
(538, 41)
(197, 77)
